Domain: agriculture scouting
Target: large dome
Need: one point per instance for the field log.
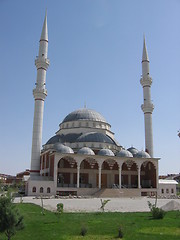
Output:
(84, 114)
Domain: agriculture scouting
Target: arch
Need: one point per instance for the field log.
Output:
(109, 173)
(88, 171)
(89, 163)
(148, 174)
(110, 164)
(41, 190)
(129, 174)
(66, 172)
(48, 190)
(34, 189)
(67, 162)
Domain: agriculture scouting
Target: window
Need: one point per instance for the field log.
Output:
(167, 190)
(41, 189)
(162, 191)
(172, 190)
(149, 166)
(48, 190)
(34, 189)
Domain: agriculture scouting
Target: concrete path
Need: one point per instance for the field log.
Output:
(93, 204)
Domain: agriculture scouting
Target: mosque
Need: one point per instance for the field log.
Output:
(83, 157)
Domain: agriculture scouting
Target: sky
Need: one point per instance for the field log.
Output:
(95, 51)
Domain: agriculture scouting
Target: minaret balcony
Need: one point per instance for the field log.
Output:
(146, 81)
(40, 93)
(42, 62)
(147, 108)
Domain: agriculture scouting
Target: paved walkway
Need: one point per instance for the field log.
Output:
(93, 204)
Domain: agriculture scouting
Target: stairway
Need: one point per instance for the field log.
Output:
(117, 193)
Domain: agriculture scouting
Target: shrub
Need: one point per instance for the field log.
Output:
(157, 213)
(83, 231)
(120, 233)
(60, 208)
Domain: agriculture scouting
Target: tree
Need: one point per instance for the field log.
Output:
(10, 219)
(103, 204)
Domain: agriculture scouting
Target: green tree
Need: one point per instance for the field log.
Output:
(1, 185)
(10, 219)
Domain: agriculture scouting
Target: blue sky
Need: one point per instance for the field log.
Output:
(95, 50)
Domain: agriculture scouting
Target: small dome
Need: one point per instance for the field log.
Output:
(84, 114)
(124, 153)
(86, 150)
(62, 149)
(133, 150)
(142, 154)
(95, 137)
(105, 152)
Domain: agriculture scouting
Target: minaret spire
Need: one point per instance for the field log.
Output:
(39, 93)
(44, 33)
(147, 106)
(145, 53)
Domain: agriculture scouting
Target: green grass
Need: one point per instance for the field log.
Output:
(99, 225)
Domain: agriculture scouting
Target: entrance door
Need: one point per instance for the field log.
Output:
(103, 180)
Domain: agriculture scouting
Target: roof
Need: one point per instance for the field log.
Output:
(166, 181)
(124, 153)
(63, 149)
(142, 154)
(84, 114)
(71, 137)
(86, 150)
(105, 152)
(95, 137)
(133, 150)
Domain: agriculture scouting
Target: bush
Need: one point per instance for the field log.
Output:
(60, 208)
(157, 213)
(120, 233)
(83, 231)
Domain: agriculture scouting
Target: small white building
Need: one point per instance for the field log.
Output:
(167, 187)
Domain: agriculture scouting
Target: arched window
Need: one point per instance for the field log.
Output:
(34, 189)
(41, 189)
(48, 190)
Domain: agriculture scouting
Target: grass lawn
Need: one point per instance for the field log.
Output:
(99, 225)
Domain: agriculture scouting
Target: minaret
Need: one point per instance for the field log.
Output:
(147, 107)
(39, 93)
